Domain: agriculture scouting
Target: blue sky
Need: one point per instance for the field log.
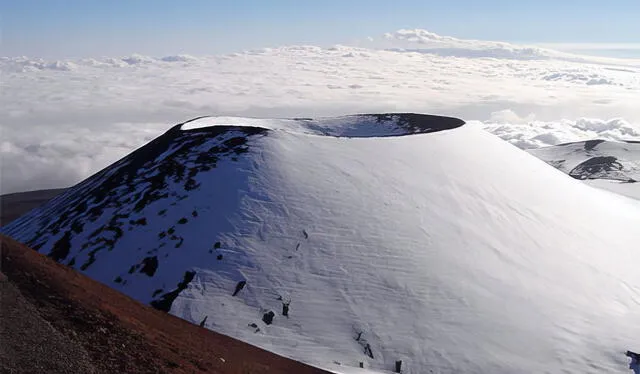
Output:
(82, 28)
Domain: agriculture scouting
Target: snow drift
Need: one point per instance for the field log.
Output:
(371, 239)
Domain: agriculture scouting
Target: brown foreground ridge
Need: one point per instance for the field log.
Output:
(56, 320)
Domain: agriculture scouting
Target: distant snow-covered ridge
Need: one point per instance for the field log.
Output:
(614, 166)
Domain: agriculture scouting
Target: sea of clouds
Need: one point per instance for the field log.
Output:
(64, 120)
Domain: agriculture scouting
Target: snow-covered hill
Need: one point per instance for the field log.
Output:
(614, 166)
(450, 250)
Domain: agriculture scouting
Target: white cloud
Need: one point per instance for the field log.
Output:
(46, 157)
(421, 36)
(63, 115)
(424, 41)
(508, 116)
(535, 134)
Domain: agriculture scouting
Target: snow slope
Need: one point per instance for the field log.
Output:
(448, 248)
(614, 166)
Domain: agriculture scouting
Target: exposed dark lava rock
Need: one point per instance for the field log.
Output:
(61, 248)
(149, 265)
(601, 167)
(139, 222)
(204, 321)
(255, 327)
(268, 317)
(368, 351)
(167, 299)
(239, 287)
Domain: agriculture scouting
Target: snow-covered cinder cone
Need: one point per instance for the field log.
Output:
(396, 237)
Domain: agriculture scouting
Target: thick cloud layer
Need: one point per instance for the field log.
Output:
(58, 156)
(63, 120)
(535, 134)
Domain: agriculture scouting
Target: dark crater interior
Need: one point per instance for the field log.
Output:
(419, 123)
(383, 125)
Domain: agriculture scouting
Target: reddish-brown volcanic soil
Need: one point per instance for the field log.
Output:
(57, 320)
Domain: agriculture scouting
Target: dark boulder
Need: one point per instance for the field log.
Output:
(268, 317)
(239, 287)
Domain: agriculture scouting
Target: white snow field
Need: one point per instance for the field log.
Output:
(453, 251)
(614, 166)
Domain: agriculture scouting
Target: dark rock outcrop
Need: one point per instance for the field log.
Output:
(268, 317)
